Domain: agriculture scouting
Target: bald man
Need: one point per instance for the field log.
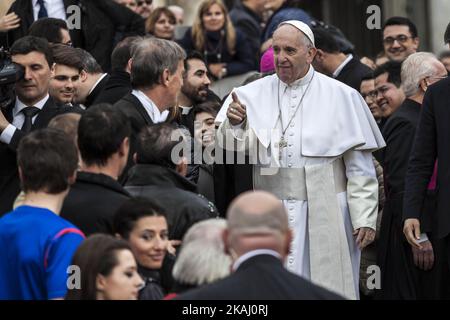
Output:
(258, 239)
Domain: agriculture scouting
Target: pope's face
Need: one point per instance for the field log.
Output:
(292, 56)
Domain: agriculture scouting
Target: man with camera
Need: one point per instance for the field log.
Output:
(31, 109)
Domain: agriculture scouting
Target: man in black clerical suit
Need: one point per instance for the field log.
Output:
(431, 142)
(119, 83)
(403, 268)
(258, 238)
(331, 61)
(155, 89)
(32, 109)
(92, 80)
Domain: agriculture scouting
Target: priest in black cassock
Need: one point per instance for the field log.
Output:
(406, 272)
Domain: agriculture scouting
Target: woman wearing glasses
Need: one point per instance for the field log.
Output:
(225, 49)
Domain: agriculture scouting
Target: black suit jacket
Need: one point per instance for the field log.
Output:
(90, 99)
(9, 178)
(103, 24)
(139, 118)
(431, 143)
(92, 202)
(262, 277)
(353, 73)
(117, 86)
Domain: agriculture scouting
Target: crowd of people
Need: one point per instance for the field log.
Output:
(121, 163)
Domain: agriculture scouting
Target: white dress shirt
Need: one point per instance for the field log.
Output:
(152, 110)
(19, 119)
(342, 65)
(55, 9)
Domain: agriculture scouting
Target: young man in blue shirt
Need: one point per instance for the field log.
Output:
(36, 244)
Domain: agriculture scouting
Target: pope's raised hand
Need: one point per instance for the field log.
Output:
(236, 111)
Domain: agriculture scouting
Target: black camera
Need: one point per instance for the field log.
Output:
(10, 73)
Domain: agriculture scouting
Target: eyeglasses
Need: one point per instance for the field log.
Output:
(372, 94)
(400, 39)
(141, 3)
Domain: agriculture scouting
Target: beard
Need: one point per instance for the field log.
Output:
(196, 95)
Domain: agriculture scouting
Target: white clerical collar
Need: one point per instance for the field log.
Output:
(19, 106)
(185, 110)
(300, 82)
(252, 254)
(149, 106)
(98, 81)
(342, 65)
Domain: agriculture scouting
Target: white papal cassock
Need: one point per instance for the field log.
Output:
(326, 179)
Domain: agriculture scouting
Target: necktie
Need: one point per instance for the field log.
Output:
(42, 11)
(29, 113)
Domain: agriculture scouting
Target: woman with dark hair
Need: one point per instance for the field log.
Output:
(144, 226)
(161, 23)
(108, 270)
(225, 49)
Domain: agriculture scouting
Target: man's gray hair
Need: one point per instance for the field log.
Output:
(202, 258)
(306, 42)
(415, 68)
(151, 57)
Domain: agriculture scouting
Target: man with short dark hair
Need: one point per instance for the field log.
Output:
(156, 86)
(330, 60)
(66, 74)
(103, 142)
(157, 175)
(33, 108)
(388, 86)
(37, 245)
(195, 89)
(92, 80)
(52, 29)
(119, 83)
(400, 38)
(368, 92)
